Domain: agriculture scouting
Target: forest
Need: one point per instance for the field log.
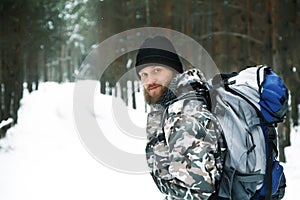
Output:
(47, 40)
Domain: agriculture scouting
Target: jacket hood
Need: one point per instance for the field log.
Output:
(184, 83)
(187, 81)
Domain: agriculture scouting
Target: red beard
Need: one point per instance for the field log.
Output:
(152, 99)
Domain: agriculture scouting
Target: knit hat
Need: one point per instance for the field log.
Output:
(158, 51)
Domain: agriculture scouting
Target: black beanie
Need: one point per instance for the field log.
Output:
(158, 50)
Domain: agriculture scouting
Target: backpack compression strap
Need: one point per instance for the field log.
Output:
(271, 135)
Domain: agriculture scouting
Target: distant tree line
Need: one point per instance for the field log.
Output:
(46, 40)
(40, 41)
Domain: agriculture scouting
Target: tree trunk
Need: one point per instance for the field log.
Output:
(45, 66)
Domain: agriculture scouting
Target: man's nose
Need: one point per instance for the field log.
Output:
(151, 80)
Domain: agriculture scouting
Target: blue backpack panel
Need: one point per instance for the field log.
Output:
(274, 97)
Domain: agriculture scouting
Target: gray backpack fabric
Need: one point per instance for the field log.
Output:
(245, 162)
(238, 104)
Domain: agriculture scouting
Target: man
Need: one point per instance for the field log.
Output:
(183, 136)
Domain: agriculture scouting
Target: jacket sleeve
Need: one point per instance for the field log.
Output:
(192, 136)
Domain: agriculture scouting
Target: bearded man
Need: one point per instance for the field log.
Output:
(183, 136)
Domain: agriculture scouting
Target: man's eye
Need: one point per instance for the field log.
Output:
(157, 70)
(143, 75)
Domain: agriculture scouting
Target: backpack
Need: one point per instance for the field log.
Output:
(248, 105)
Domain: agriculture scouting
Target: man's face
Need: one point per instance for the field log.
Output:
(155, 80)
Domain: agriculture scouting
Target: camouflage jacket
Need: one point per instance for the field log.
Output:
(183, 137)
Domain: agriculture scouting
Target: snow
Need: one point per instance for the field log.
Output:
(43, 157)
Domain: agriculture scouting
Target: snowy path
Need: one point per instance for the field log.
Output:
(46, 159)
(43, 159)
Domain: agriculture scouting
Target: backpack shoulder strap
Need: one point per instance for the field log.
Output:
(271, 135)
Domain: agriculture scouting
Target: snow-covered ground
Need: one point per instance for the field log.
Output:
(43, 157)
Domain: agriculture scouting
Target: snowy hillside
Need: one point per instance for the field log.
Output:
(43, 158)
